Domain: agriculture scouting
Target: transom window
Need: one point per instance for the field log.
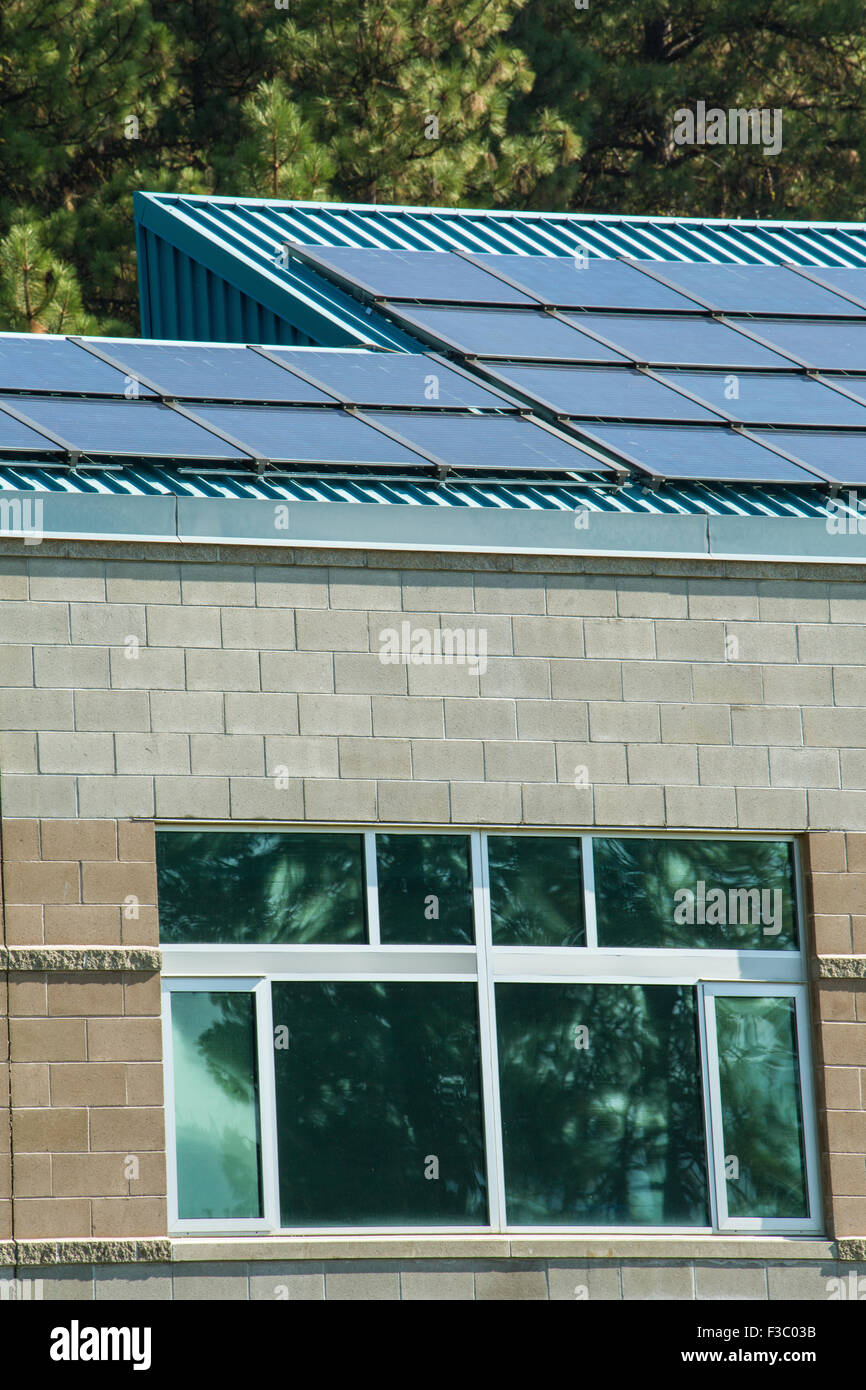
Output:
(431, 1030)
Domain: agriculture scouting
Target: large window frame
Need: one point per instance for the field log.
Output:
(711, 972)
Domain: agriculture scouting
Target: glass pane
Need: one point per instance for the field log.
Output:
(226, 886)
(695, 893)
(425, 889)
(601, 1105)
(216, 1104)
(379, 1104)
(536, 894)
(762, 1116)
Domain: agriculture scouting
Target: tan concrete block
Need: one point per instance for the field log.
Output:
(849, 1217)
(129, 1216)
(832, 934)
(89, 1175)
(842, 1088)
(839, 893)
(51, 1130)
(28, 995)
(126, 1129)
(846, 1131)
(46, 1217)
(30, 1086)
(142, 930)
(21, 839)
(124, 1039)
(826, 852)
(113, 883)
(33, 1175)
(144, 1083)
(86, 925)
(141, 995)
(79, 839)
(856, 851)
(88, 1083)
(55, 1040)
(844, 1044)
(41, 883)
(848, 1175)
(24, 926)
(836, 1001)
(82, 994)
(151, 1180)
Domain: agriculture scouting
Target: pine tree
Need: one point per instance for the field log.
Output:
(38, 292)
(279, 156)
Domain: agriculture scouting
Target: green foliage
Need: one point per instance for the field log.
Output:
(38, 292)
(452, 102)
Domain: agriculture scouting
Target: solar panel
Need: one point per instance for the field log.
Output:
(205, 372)
(753, 289)
(508, 333)
(390, 378)
(699, 452)
(495, 443)
(678, 340)
(127, 427)
(16, 436)
(427, 275)
(614, 393)
(594, 284)
(30, 362)
(847, 279)
(841, 456)
(772, 398)
(830, 347)
(289, 435)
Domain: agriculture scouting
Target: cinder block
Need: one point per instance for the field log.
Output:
(75, 667)
(507, 593)
(727, 1281)
(557, 806)
(700, 806)
(364, 589)
(801, 1281)
(44, 1217)
(719, 681)
(291, 586)
(764, 642)
(371, 1285)
(82, 839)
(731, 767)
(13, 578)
(646, 1282)
(56, 578)
(25, 795)
(16, 665)
(643, 597)
(832, 643)
(520, 762)
(37, 709)
(256, 712)
(123, 1039)
(150, 668)
(692, 640)
(87, 1083)
(664, 764)
(227, 755)
(111, 711)
(48, 1039)
(115, 796)
(586, 680)
(74, 752)
(516, 677)
(128, 1216)
(340, 800)
(295, 1280)
(628, 806)
(152, 752)
(511, 1283)
(297, 671)
(793, 600)
(126, 1128)
(804, 767)
(656, 680)
(548, 636)
(604, 762)
(331, 631)
(833, 728)
(217, 584)
(133, 1283)
(302, 757)
(840, 810)
(210, 1281)
(803, 685)
(847, 603)
(375, 757)
(87, 924)
(551, 719)
(414, 801)
(581, 595)
(490, 803)
(255, 798)
(335, 714)
(453, 678)
(614, 723)
(174, 625)
(761, 725)
(26, 882)
(49, 1130)
(266, 629)
(447, 759)
(493, 629)
(848, 685)
(107, 624)
(367, 673)
(193, 797)
(432, 590)
(34, 622)
(136, 581)
(620, 637)
(18, 753)
(473, 718)
(235, 670)
(723, 597)
(188, 711)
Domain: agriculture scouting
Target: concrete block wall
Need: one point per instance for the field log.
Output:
(184, 682)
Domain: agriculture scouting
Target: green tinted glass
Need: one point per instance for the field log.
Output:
(260, 887)
(536, 897)
(762, 1115)
(216, 1107)
(379, 1104)
(425, 889)
(695, 893)
(601, 1105)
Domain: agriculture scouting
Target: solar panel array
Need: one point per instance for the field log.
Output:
(100, 401)
(678, 370)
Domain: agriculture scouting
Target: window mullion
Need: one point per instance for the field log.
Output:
(372, 881)
(268, 1105)
(487, 1033)
(588, 877)
(706, 1092)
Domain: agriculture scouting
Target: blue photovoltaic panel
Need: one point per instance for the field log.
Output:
(753, 289)
(611, 393)
(840, 456)
(678, 341)
(497, 443)
(128, 427)
(200, 372)
(34, 363)
(510, 333)
(427, 275)
(391, 378)
(14, 435)
(593, 284)
(289, 435)
(772, 398)
(714, 455)
(846, 279)
(827, 346)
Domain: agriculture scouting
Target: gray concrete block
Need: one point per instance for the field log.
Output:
(520, 762)
(331, 631)
(611, 722)
(478, 718)
(586, 680)
(189, 711)
(367, 673)
(104, 798)
(107, 624)
(701, 806)
(552, 719)
(718, 1282)
(36, 709)
(235, 670)
(548, 636)
(65, 579)
(663, 764)
(254, 712)
(628, 806)
(508, 593)
(719, 681)
(450, 679)
(222, 1281)
(193, 625)
(297, 671)
(807, 685)
(367, 1283)
(150, 668)
(335, 714)
(13, 578)
(80, 668)
(494, 629)
(111, 711)
(723, 597)
(340, 799)
(656, 680)
(414, 801)
(218, 584)
(848, 683)
(194, 797)
(832, 643)
(793, 600)
(852, 769)
(62, 1282)
(227, 755)
(152, 752)
(79, 753)
(264, 629)
(732, 767)
(18, 753)
(142, 581)
(291, 586)
(375, 757)
(581, 595)
(696, 723)
(594, 1282)
(524, 677)
(432, 590)
(640, 596)
(410, 717)
(759, 808)
(511, 1283)
(254, 798)
(133, 1283)
(364, 589)
(29, 796)
(304, 757)
(802, 1281)
(831, 728)
(557, 806)
(490, 803)
(620, 637)
(604, 762)
(847, 602)
(758, 724)
(34, 622)
(460, 760)
(764, 642)
(804, 767)
(16, 665)
(690, 641)
(452, 1284)
(295, 1281)
(649, 1282)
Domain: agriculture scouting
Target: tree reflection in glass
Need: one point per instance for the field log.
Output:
(425, 889)
(379, 1114)
(762, 1119)
(260, 887)
(601, 1105)
(536, 897)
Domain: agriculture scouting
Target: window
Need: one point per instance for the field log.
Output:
(474, 1031)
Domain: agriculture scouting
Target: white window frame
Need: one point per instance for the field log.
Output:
(710, 972)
